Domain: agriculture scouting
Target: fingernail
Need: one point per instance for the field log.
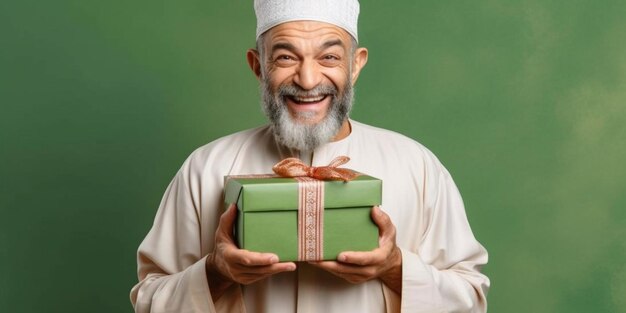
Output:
(342, 258)
(274, 259)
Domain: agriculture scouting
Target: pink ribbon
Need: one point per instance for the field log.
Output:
(294, 167)
(311, 200)
(310, 219)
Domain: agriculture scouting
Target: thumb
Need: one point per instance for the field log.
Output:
(381, 219)
(386, 229)
(227, 219)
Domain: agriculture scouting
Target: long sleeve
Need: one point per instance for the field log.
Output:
(443, 275)
(171, 264)
(441, 259)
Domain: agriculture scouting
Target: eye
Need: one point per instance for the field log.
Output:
(284, 60)
(330, 60)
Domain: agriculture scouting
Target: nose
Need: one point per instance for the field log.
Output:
(308, 75)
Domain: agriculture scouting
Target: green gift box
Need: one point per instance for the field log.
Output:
(267, 220)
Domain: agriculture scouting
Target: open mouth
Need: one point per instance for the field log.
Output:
(307, 100)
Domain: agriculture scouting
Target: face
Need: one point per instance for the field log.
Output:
(307, 70)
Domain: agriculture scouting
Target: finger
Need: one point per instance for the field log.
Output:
(330, 266)
(225, 230)
(340, 268)
(266, 270)
(258, 273)
(381, 219)
(376, 256)
(227, 220)
(348, 269)
(386, 229)
(247, 275)
(249, 258)
(351, 273)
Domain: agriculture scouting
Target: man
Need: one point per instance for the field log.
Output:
(307, 61)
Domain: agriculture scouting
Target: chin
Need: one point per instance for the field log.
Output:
(306, 118)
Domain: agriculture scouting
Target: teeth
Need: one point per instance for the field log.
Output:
(308, 100)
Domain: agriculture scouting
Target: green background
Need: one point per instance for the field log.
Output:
(523, 101)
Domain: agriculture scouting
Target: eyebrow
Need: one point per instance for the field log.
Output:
(292, 48)
(331, 43)
(283, 45)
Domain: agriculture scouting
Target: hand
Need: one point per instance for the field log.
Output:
(228, 264)
(384, 262)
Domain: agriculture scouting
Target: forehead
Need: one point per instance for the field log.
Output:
(306, 32)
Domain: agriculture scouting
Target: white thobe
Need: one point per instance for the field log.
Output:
(441, 259)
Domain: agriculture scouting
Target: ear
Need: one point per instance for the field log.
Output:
(359, 61)
(254, 62)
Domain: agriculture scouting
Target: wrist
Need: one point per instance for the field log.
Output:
(392, 277)
(218, 282)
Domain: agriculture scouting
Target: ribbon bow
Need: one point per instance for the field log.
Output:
(294, 167)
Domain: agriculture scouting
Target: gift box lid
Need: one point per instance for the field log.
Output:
(281, 194)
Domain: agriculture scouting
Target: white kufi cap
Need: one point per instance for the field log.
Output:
(342, 13)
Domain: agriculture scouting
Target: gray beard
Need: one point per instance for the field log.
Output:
(300, 136)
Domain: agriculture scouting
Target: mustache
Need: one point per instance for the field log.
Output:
(290, 90)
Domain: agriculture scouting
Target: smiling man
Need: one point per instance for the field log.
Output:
(307, 61)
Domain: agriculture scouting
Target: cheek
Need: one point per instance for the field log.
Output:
(279, 77)
(339, 77)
